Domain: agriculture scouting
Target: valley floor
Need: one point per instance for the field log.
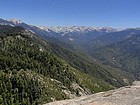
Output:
(129, 95)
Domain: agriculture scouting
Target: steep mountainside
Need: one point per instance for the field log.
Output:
(83, 42)
(116, 77)
(31, 71)
(30, 74)
(44, 64)
(124, 55)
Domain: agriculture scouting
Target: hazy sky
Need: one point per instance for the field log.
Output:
(113, 13)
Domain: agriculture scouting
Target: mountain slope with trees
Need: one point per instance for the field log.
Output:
(33, 70)
(31, 74)
(124, 55)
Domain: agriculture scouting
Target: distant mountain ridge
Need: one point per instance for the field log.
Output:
(76, 34)
(119, 36)
(59, 28)
(80, 29)
(75, 37)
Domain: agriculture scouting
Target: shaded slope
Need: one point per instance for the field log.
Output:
(124, 55)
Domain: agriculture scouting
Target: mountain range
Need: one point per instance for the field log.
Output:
(42, 64)
(77, 36)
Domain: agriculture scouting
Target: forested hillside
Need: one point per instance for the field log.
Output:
(31, 74)
(94, 68)
(123, 55)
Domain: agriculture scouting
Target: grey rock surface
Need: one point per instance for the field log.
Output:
(129, 95)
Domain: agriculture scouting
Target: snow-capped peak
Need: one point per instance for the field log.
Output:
(15, 21)
(79, 29)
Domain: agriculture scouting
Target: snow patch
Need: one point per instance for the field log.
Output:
(71, 39)
(15, 21)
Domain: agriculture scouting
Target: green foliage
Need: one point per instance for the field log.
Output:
(31, 74)
(83, 63)
(33, 71)
(20, 52)
(18, 88)
(27, 88)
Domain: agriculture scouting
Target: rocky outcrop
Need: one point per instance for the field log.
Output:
(129, 95)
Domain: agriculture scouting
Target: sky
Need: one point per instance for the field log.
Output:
(96, 13)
